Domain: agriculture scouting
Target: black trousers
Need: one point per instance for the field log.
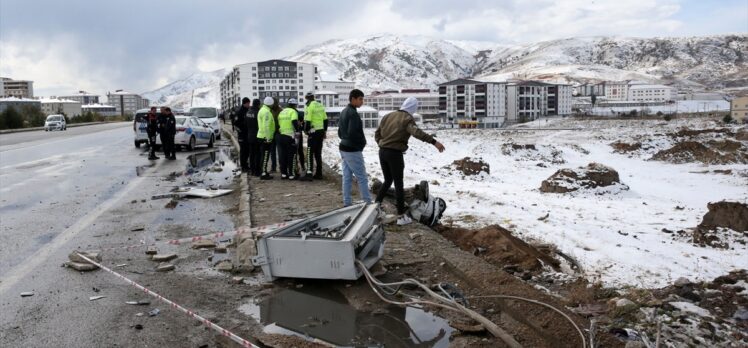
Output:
(393, 166)
(286, 155)
(255, 157)
(300, 150)
(274, 152)
(266, 148)
(152, 143)
(167, 141)
(243, 154)
(314, 151)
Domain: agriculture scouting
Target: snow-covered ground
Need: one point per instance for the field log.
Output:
(679, 107)
(617, 237)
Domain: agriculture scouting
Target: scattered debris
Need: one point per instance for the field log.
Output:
(94, 298)
(545, 217)
(154, 312)
(220, 249)
(151, 250)
(163, 257)
(93, 255)
(593, 176)
(81, 267)
(164, 267)
(120, 265)
(224, 265)
(27, 294)
(203, 244)
(193, 192)
(172, 204)
(237, 280)
(139, 303)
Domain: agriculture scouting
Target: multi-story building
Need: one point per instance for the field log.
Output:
(739, 108)
(329, 98)
(369, 116)
(471, 101)
(19, 103)
(617, 90)
(103, 110)
(17, 88)
(590, 89)
(82, 97)
(650, 93)
(276, 78)
(126, 102)
(340, 87)
(69, 108)
(428, 102)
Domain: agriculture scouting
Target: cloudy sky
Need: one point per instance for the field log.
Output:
(139, 45)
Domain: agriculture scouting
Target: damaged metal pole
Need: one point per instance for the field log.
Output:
(234, 337)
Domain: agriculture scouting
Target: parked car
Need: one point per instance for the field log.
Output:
(191, 131)
(55, 122)
(140, 126)
(210, 116)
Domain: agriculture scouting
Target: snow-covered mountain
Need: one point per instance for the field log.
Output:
(392, 62)
(198, 89)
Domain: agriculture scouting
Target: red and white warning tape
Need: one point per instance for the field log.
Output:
(234, 337)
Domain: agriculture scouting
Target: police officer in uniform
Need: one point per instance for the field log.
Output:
(315, 124)
(168, 129)
(152, 129)
(240, 125)
(265, 134)
(288, 127)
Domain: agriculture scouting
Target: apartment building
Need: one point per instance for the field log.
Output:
(103, 110)
(329, 99)
(739, 108)
(589, 89)
(276, 78)
(19, 103)
(651, 93)
(617, 90)
(53, 106)
(479, 102)
(82, 97)
(428, 101)
(16, 88)
(125, 102)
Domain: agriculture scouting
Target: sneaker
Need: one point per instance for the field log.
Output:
(266, 176)
(153, 158)
(404, 220)
(291, 177)
(284, 177)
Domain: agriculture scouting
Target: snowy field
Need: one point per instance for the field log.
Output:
(679, 107)
(617, 236)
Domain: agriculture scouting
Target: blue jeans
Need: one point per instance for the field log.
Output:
(353, 164)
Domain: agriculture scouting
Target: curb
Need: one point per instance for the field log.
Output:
(245, 213)
(72, 125)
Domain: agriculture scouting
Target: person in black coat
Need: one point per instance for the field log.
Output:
(255, 157)
(168, 129)
(240, 125)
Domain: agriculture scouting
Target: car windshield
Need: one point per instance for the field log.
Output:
(203, 112)
(181, 120)
(54, 118)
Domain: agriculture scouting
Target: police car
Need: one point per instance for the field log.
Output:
(191, 131)
(140, 126)
(209, 116)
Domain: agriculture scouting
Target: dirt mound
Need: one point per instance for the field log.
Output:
(499, 246)
(592, 176)
(469, 166)
(621, 147)
(718, 152)
(742, 135)
(732, 215)
(690, 133)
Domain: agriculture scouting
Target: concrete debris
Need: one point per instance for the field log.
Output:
(93, 255)
(139, 303)
(225, 266)
(163, 257)
(414, 235)
(139, 314)
(137, 229)
(81, 267)
(624, 302)
(154, 312)
(165, 267)
(203, 244)
(246, 250)
(151, 250)
(220, 249)
(94, 298)
(237, 280)
(27, 294)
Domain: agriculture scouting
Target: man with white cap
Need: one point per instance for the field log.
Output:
(392, 137)
(265, 132)
(288, 126)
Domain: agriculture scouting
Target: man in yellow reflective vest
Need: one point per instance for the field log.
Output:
(265, 133)
(288, 126)
(315, 124)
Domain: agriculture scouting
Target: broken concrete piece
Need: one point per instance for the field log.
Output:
(225, 266)
(93, 255)
(151, 250)
(27, 294)
(246, 250)
(203, 244)
(163, 257)
(154, 312)
(81, 267)
(220, 249)
(164, 267)
(94, 298)
(237, 280)
(139, 303)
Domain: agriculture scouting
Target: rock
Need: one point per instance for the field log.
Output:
(224, 266)
(624, 302)
(93, 255)
(203, 244)
(163, 257)
(220, 249)
(237, 280)
(682, 281)
(592, 176)
(164, 267)
(414, 235)
(471, 328)
(469, 166)
(741, 314)
(151, 250)
(246, 250)
(378, 270)
(81, 267)
(732, 215)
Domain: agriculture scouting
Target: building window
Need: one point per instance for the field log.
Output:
(300, 75)
(254, 68)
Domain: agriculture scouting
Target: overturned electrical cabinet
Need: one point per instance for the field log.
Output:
(325, 246)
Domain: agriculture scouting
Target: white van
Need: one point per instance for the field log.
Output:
(55, 122)
(209, 116)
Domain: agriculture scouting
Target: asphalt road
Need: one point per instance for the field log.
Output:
(90, 188)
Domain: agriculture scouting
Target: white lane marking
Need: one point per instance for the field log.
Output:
(26, 267)
(37, 142)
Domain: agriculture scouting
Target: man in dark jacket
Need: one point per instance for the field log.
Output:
(152, 129)
(352, 143)
(255, 153)
(168, 129)
(392, 137)
(241, 130)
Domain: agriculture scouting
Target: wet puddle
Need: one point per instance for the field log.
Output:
(323, 314)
